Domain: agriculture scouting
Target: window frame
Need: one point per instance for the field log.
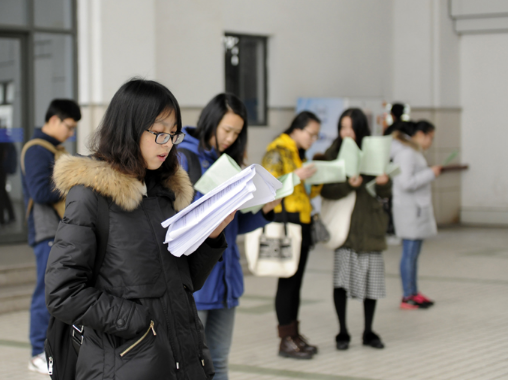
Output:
(264, 40)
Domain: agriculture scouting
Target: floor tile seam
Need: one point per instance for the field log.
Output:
(434, 278)
(290, 374)
(14, 344)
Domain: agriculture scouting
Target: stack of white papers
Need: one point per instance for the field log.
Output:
(188, 229)
(289, 181)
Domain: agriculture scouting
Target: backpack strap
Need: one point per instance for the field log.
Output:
(102, 234)
(45, 144)
(194, 170)
(57, 152)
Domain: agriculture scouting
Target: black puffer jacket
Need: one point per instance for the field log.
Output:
(140, 318)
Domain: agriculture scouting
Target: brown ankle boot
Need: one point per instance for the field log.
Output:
(302, 341)
(290, 346)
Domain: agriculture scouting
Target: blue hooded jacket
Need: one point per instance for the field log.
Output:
(224, 286)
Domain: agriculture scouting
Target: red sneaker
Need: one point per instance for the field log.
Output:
(420, 298)
(409, 304)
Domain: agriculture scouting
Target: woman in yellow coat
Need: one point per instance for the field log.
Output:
(285, 155)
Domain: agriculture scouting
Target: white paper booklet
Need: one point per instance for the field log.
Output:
(189, 228)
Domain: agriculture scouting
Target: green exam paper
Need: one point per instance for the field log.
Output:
(351, 155)
(451, 157)
(376, 154)
(327, 172)
(221, 170)
(289, 181)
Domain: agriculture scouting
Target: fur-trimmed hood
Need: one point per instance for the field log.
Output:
(126, 191)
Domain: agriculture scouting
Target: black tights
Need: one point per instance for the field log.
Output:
(340, 300)
(287, 299)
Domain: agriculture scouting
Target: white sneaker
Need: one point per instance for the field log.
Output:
(38, 364)
(393, 240)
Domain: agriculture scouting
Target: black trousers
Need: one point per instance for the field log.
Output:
(287, 299)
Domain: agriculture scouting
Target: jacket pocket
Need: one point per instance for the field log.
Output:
(145, 357)
(139, 342)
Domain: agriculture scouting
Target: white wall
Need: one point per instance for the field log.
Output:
(313, 47)
(189, 53)
(324, 48)
(425, 54)
(484, 90)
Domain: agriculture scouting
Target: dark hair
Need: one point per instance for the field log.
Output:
(410, 128)
(301, 121)
(64, 109)
(133, 109)
(210, 118)
(359, 123)
(397, 111)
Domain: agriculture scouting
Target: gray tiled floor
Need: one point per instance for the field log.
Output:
(463, 337)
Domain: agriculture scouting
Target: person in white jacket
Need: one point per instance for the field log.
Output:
(413, 214)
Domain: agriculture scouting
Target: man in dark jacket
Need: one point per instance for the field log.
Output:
(39, 196)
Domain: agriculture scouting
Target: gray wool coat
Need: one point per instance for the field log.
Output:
(412, 209)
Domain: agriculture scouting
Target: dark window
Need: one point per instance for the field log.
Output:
(246, 73)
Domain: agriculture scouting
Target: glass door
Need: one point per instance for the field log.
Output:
(13, 123)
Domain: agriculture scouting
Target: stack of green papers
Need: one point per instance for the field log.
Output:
(289, 181)
(372, 159)
(327, 172)
(222, 170)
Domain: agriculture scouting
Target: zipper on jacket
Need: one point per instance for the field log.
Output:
(50, 365)
(140, 339)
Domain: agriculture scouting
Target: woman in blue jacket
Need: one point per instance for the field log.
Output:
(221, 128)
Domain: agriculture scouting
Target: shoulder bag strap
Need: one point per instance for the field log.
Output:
(102, 234)
(45, 144)
(193, 163)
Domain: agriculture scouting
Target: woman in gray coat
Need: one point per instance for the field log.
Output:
(412, 204)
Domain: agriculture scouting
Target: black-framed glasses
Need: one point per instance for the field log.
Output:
(163, 138)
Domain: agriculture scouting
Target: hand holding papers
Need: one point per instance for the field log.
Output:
(392, 170)
(188, 229)
(327, 172)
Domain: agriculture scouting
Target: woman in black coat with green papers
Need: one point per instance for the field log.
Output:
(359, 266)
(140, 318)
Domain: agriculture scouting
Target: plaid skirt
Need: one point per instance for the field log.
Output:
(361, 274)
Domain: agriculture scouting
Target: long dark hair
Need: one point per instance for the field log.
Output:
(359, 122)
(210, 118)
(133, 109)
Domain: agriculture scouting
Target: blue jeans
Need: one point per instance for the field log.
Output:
(39, 315)
(219, 325)
(409, 265)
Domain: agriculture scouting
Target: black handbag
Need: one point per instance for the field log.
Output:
(318, 230)
(63, 341)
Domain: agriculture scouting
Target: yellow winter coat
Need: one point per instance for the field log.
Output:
(282, 157)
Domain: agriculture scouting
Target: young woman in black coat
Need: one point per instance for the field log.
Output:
(140, 318)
